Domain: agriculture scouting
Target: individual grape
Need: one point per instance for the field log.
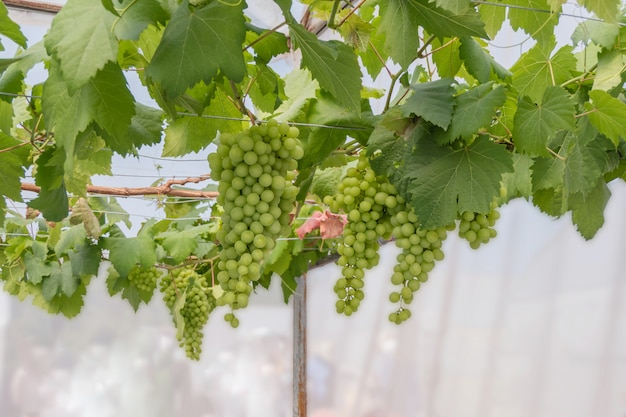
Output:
(478, 228)
(144, 279)
(188, 297)
(260, 195)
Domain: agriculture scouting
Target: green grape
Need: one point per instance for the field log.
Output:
(255, 170)
(144, 279)
(188, 295)
(477, 228)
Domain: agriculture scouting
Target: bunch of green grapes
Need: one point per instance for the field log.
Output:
(478, 228)
(188, 296)
(420, 250)
(360, 195)
(144, 279)
(255, 170)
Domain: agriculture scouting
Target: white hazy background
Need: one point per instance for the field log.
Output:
(531, 325)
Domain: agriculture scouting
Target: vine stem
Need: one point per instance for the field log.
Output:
(9, 149)
(240, 104)
(351, 12)
(394, 79)
(333, 12)
(426, 43)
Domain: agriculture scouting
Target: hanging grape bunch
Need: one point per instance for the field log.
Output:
(376, 211)
(255, 170)
(190, 300)
(144, 279)
(478, 228)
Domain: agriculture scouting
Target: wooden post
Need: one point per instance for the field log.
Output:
(299, 349)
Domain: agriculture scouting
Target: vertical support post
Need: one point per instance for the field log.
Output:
(299, 349)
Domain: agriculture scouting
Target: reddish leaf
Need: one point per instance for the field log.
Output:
(330, 224)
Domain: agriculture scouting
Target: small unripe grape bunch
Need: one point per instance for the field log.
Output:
(255, 170)
(144, 279)
(478, 228)
(184, 285)
(367, 222)
(420, 250)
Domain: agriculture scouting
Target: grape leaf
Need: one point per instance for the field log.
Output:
(11, 169)
(299, 88)
(494, 16)
(193, 133)
(80, 39)
(475, 109)
(536, 70)
(610, 69)
(433, 101)
(85, 259)
(340, 121)
(10, 29)
(70, 238)
(442, 182)
(602, 33)
(60, 281)
(455, 6)
(124, 253)
(519, 182)
(447, 57)
(479, 63)
(401, 18)
(136, 15)
(145, 129)
(68, 306)
(441, 22)
(36, 268)
(273, 43)
(607, 114)
(197, 42)
(576, 169)
(526, 17)
(604, 9)
(279, 259)
(536, 123)
(179, 244)
(332, 63)
(329, 224)
(588, 212)
(134, 296)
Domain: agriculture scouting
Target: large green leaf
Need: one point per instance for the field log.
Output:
(124, 253)
(433, 101)
(537, 24)
(11, 169)
(135, 16)
(588, 212)
(454, 6)
(494, 16)
(604, 9)
(340, 123)
(10, 29)
(479, 63)
(442, 182)
(602, 33)
(610, 70)
(537, 70)
(80, 39)
(333, 64)
(535, 123)
(607, 114)
(145, 128)
(179, 244)
(197, 42)
(475, 109)
(192, 133)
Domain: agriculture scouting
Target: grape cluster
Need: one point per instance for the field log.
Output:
(144, 279)
(358, 195)
(375, 210)
(255, 170)
(478, 228)
(187, 295)
(420, 250)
